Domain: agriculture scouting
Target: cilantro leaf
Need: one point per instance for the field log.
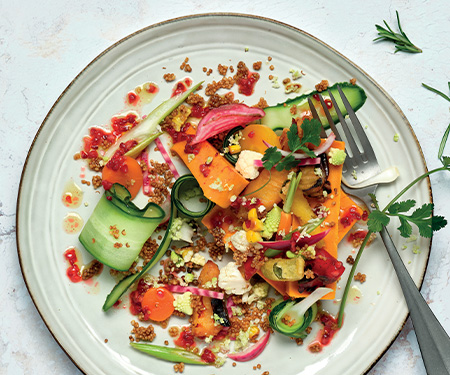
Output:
(294, 141)
(438, 222)
(404, 206)
(405, 228)
(287, 163)
(446, 161)
(311, 131)
(271, 157)
(377, 220)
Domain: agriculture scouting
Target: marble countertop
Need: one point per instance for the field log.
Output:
(44, 45)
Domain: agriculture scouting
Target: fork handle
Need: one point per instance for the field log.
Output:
(434, 343)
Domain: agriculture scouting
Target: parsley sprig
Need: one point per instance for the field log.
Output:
(401, 41)
(422, 217)
(311, 134)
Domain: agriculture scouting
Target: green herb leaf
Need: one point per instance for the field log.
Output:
(446, 161)
(423, 219)
(377, 220)
(401, 41)
(311, 132)
(404, 206)
(271, 157)
(374, 200)
(405, 228)
(294, 141)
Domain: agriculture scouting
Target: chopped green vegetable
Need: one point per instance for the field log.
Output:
(293, 185)
(271, 223)
(182, 303)
(336, 156)
(181, 230)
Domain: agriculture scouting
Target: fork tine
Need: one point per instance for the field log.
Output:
(365, 143)
(330, 120)
(356, 158)
(316, 116)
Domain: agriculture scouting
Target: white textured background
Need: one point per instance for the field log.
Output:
(45, 44)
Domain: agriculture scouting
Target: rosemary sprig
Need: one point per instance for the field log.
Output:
(401, 41)
(436, 91)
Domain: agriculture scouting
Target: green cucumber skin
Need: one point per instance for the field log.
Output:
(125, 283)
(170, 354)
(98, 241)
(279, 116)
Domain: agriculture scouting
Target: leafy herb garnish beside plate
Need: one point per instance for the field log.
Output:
(401, 41)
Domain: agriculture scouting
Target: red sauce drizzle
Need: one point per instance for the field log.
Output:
(251, 134)
(330, 327)
(133, 98)
(326, 334)
(358, 235)
(73, 271)
(98, 135)
(204, 169)
(208, 356)
(198, 111)
(349, 217)
(181, 87)
(186, 339)
(136, 297)
(247, 85)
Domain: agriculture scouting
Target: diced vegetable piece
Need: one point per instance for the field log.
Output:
(196, 291)
(280, 116)
(267, 187)
(253, 136)
(117, 229)
(301, 208)
(129, 175)
(218, 179)
(157, 303)
(278, 269)
(209, 271)
(203, 323)
(145, 132)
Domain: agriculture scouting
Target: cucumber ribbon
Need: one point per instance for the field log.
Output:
(184, 183)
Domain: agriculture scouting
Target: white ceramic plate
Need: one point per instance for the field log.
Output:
(73, 312)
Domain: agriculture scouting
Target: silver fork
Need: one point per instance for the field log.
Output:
(433, 341)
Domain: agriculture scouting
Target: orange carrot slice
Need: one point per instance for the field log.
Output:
(218, 179)
(158, 303)
(129, 174)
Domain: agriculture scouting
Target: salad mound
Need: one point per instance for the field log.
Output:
(265, 204)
